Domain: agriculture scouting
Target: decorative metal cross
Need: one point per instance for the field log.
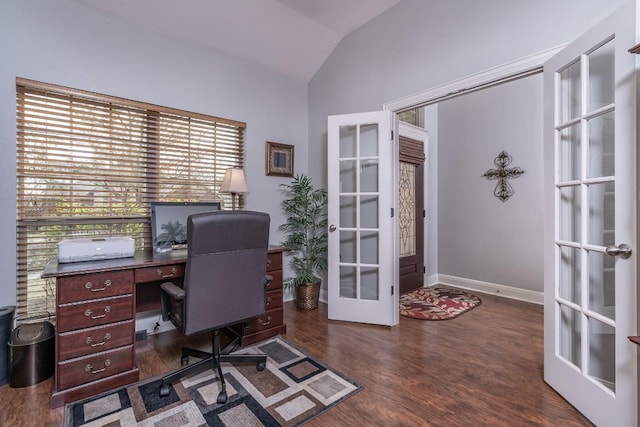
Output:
(503, 189)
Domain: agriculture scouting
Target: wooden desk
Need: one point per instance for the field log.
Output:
(96, 303)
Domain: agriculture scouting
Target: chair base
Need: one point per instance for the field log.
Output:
(212, 360)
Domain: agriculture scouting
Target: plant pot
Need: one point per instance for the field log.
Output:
(307, 296)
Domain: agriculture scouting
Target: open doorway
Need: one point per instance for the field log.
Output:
(474, 240)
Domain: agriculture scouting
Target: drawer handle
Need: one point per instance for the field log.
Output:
(89, 286)
(268, 301)
(167, 276)
(89, 340)
(89, 368)
(265, 323)
(89, 313)
(268, 262)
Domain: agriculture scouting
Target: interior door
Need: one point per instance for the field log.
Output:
(411, 207)
(590, 223)
(363, 260)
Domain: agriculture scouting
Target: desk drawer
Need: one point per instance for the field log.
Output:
(93, 340)
(101, 365)
(163, 272)
(268, 320)
(274, 299)
(276, 282)
(274, 261)
(97, 285)
(94, 313)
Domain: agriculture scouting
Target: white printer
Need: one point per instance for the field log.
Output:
(95, 248)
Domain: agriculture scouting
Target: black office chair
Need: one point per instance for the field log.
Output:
(224, 284)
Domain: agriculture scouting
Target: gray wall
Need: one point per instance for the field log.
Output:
(419, 44)
(61, 42)
(481, 237)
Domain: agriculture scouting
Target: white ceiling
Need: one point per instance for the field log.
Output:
(292, 37)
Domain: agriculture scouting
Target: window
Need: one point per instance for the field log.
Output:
(90, 164)
(414, 116)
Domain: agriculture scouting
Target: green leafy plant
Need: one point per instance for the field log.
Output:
(305, 232)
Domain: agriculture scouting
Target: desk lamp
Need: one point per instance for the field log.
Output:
(234, 183)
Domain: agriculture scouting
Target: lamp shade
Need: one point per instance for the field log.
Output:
(234, 182)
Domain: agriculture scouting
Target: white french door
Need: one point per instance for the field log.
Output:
(590, 222)
(363, 259)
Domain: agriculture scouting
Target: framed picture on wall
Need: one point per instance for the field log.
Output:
(278, 159)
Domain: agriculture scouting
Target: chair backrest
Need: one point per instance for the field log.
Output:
(226, 268)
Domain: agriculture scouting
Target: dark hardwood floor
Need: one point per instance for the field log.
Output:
(482, 369)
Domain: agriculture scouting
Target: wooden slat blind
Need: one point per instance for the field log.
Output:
(89, 164)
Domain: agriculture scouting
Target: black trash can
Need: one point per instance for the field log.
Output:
(6, 323)
(32, 353)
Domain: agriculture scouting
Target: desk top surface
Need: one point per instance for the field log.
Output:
(141, 259)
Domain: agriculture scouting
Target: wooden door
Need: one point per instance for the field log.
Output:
(411, 213)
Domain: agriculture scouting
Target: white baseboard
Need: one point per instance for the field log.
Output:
(434, 279)
(289, 295)
(535, 297)
(324, 296)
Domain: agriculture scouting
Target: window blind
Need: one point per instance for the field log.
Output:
(89, 164)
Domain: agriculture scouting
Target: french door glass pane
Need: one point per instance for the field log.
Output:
(369, 140)
(369, 283)
(348, 211)
(369, 212)
(601, 76)
(368, 176)
(348, 284)
(601, 146)
(601, 214)
(570, 335)
(602, 353)
(348, 249)
(570, 93)
(570, 274)
(602, 277)
(569, 153)
(348, 141)
(348, 176)
(369, 247)
(570, 206)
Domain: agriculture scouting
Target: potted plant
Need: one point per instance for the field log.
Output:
(305, 234)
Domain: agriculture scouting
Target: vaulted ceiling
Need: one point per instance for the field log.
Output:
(291, 37)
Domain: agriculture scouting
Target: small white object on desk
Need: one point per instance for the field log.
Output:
(95, 248)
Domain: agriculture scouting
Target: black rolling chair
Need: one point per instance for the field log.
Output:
(224, 284)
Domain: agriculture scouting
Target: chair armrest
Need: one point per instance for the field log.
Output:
(267, 279)
(174, 291)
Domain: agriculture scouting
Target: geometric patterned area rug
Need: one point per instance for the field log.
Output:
(292, 389)
(436, 303)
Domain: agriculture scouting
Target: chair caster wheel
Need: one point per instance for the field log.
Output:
(260, 366)
(184, 360)
(222, 397)
(164, 390)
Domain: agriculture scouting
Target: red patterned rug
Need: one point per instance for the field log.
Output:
(436, 303)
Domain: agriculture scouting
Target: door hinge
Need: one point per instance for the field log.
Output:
(392, 288)
(424, 213)
(391, 212)
(424, 269)
(392, 135)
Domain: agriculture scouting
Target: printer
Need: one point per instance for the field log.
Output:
(95, 248)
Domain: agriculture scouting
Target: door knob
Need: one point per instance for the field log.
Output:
(623, 250)
(332, 228)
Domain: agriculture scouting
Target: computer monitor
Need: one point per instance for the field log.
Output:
(169, 221)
